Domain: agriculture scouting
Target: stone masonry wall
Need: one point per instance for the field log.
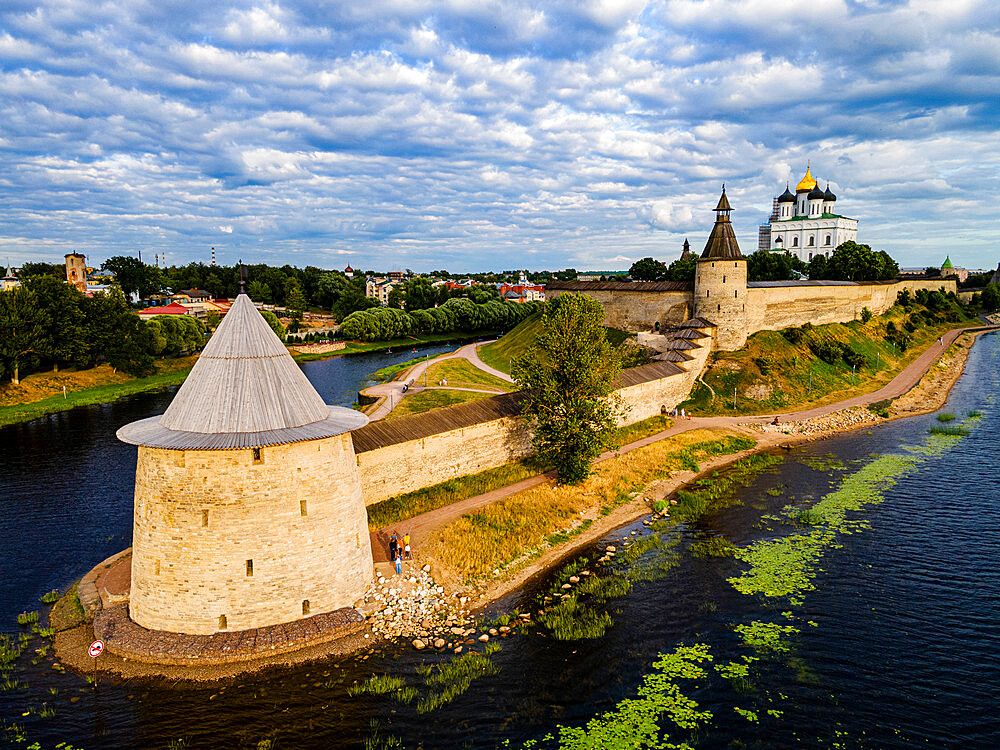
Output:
(298, 514)
(640, 311)
(775, 308)
(404, 467)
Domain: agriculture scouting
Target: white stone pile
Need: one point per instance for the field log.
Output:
(415, 607)
(857, 416)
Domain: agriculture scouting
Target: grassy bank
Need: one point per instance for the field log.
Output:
(811, 365)
(430, 399)
(520, 338)
(497, 535)
(463, 374)
(41, 393)
(401, 507)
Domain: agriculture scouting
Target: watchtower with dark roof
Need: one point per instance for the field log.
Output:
(720, 281)
(248, 504)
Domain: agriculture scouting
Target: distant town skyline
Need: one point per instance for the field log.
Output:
(489, 136)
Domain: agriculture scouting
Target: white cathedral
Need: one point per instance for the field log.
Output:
(806, 224)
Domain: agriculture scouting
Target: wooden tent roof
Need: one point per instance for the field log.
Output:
(244, 391)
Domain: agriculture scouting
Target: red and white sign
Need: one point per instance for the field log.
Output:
(96, 648)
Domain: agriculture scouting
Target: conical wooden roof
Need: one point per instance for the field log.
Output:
(245, 390)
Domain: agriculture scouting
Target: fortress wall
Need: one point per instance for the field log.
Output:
(639, 311)
(186, 574)
(778, 307)
(404, 467)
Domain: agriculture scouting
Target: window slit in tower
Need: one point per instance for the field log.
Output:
(305, 606)
(249, 567)
(204, 518)
(257, 459)
(222, 622)
(302, 507)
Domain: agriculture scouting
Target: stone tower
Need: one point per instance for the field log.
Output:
(720, 282)
(248, 506)
(76, 271)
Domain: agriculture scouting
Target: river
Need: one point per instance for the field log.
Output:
(894, 639)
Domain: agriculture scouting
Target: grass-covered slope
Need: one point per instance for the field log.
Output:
(811, 365)
(519, 339)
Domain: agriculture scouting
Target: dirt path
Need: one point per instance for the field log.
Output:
(421, 526)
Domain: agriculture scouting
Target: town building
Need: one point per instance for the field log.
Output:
(806, 224)
(76, 271)
(9, 281)
(948, 269)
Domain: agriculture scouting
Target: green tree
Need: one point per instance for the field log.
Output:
(648, 269)
(42, 269)
(22, 325)
(115, 333)
(397, 298)
(990, 298)
(258, 291)
(854, 262)
(682, 269)
(766, 265)
(272, 320)
(134, 276)
(295, 300)
(62, 321)
(568, 375)
(419, 294)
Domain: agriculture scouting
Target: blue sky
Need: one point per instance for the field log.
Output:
(481, 134)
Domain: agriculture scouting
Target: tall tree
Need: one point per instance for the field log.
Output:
(62, 323)
(113, 332)
(134, 276)
(569, 375)
(258, 291)
(767, 265)
(42, 269)
(682, 269)
(648, 269)
(21, 329)
(854, 262)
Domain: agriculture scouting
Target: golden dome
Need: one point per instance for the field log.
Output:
(807, 182)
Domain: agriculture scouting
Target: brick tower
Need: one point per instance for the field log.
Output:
(76, 271)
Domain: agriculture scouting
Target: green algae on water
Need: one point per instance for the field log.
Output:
(636, 722)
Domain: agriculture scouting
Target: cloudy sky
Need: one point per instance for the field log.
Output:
(489, 134)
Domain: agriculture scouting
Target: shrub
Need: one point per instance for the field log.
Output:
(866, 315)
(828, 351)
(792, 335)
(853, 358)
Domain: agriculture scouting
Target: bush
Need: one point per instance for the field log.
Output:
(793, 336)
(853, 358)
(866, 315)
(829, 351)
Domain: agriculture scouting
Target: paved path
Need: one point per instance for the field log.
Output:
(393, 390)
(421, 526)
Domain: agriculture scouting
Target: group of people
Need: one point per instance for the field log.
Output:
(679, 413)
(399, 549)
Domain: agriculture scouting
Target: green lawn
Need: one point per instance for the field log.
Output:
(462, 373)
(101, 394)
(433, 399)
(520, 338)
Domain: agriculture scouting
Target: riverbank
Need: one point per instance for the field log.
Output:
(466, 601)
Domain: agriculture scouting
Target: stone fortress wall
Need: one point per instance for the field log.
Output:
(769, 305)
(410, 465)
(219, 535)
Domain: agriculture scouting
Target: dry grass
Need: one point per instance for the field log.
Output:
(42, 385)
(472, 546)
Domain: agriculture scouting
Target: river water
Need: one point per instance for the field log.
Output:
(896, 643)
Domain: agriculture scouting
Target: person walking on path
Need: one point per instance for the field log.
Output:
(393, 546)
(399, 563)
(406, 546)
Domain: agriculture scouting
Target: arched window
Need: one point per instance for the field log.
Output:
(827, 240)
(810, 256)
(812, 240)
(795, 241)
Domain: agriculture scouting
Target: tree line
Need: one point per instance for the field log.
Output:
(848, 262)
(46, 322)
(458, 314)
